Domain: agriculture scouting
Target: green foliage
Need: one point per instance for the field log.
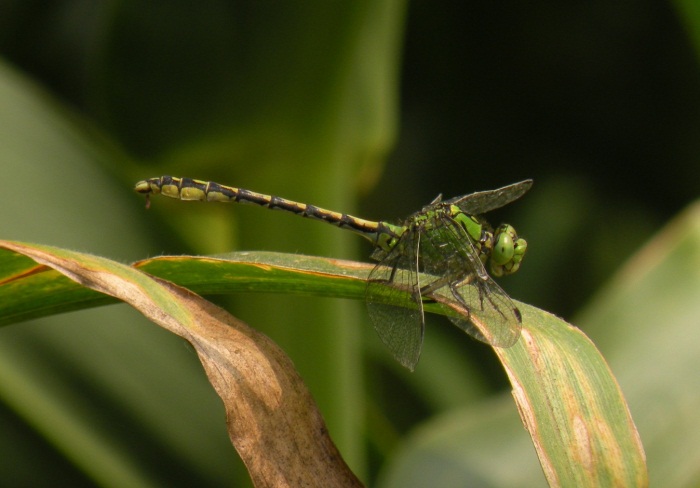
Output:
(301, 101)
(567, 398)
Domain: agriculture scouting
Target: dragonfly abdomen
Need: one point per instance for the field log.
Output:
(191, 189)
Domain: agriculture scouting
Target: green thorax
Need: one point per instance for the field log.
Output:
(500, 250)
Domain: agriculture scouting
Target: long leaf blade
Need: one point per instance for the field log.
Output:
(272, 419)
(566, 394)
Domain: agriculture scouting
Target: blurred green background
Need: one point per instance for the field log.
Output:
(366, 107)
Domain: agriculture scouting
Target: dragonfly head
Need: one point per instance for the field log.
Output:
(508, 251)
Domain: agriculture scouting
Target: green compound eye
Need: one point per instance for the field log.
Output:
(508, 251)
(503, 246)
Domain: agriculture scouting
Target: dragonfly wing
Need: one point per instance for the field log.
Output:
(486, 312)
(491, 316)
(484, 201)
(393, 281)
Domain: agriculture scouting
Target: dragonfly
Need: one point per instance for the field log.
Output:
(437, 255)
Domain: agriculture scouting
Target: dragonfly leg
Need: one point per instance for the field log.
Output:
(434, 285)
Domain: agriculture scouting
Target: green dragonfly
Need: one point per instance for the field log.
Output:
(437, 255)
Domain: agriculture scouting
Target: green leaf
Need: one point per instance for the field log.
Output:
(271, 416)
(572, 406)
(262, 272)
(28, 290)
(565, 393)
(568, 401)
(646, 322)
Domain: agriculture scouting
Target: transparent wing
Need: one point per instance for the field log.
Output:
(392, 281)
(484, 201)
(486, 312)
(493, 318)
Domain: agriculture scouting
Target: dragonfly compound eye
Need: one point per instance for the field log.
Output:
(508, 251)
(504, 245)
